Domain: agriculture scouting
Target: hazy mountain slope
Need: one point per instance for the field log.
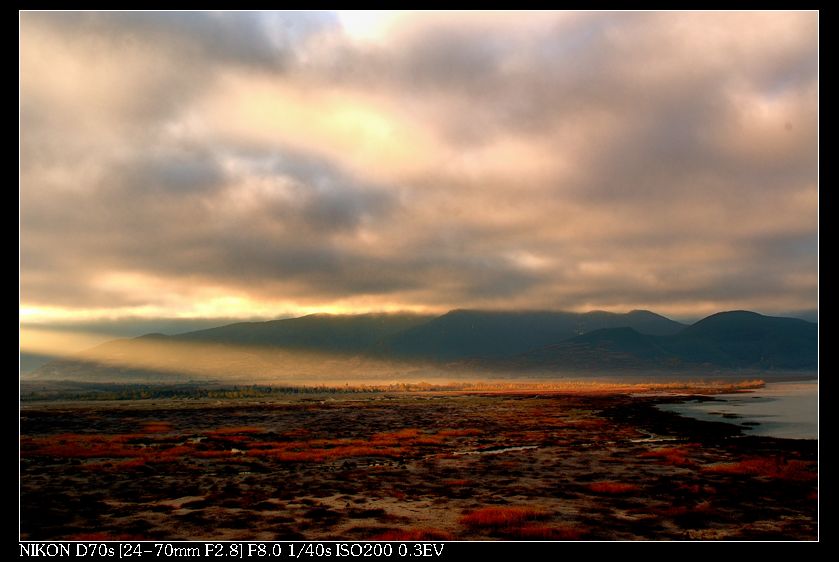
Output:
(334, 333)
(609, 348)
(462, 334)
(736, 339)
(352, 348)
(740, 338)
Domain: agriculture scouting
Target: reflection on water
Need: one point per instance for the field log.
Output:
(781, 409)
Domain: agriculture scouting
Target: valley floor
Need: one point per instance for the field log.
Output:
(402, 466)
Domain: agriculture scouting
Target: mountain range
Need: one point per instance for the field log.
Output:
(459, 341)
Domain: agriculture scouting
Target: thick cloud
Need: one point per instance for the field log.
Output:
(255, 164)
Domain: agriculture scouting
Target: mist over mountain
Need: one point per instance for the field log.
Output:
(323, 346)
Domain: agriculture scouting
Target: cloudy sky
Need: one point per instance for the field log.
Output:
(207, 165)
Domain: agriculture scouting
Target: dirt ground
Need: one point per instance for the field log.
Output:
(483, 466)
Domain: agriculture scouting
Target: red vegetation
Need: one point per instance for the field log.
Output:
(131, 463)
(400, 435)
(324, 450)
(245, 429)
(103, 536)
(545, 532)
(612, 487)
(394, 444)
(156, 427)
(457, 482)
(75, 445)
(697, 489)
(499, 517)
(143, 450)
(413, 535)
(429, 440)
(233, 438)
(459, 432)
(297, 433)
(701, 507)
(766, 467)
(670, 455)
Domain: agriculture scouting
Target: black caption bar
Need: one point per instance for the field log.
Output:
(245, 550)
(277, 550)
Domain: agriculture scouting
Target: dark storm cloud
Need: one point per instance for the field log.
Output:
(169, 173)
(243, 38)
(570, 160)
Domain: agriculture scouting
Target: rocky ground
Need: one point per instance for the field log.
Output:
(561, 466)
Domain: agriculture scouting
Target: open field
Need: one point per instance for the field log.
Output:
(584, 463)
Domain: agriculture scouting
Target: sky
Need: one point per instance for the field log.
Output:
(261, 165)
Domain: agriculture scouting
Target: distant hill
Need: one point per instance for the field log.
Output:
(462, 334)
(740, 338)
(360, 333)
(736, 339)
(457, 342)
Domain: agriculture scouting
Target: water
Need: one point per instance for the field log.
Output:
(780, 409)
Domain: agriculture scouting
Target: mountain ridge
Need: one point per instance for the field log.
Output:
(464, 339)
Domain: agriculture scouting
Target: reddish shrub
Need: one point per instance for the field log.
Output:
(669, 455)
(297, 433)
(212, 454)
(545, 532)
(767, 467)
(131, 463)
(156, 427)
(303, 452)
(429, 440)
(413, 535)
(264, 445)
(459, 432)
(171, 452)
(80, 446)
(233, 438)
(697, 489)
(238, 430)
(497, 517)
(612, 487)
(103, 536)
(393, 436)
(701, 507)
(458, 482)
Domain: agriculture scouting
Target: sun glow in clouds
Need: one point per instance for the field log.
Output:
(366, 25)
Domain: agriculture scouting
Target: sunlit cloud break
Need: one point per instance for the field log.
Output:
(245, 164)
